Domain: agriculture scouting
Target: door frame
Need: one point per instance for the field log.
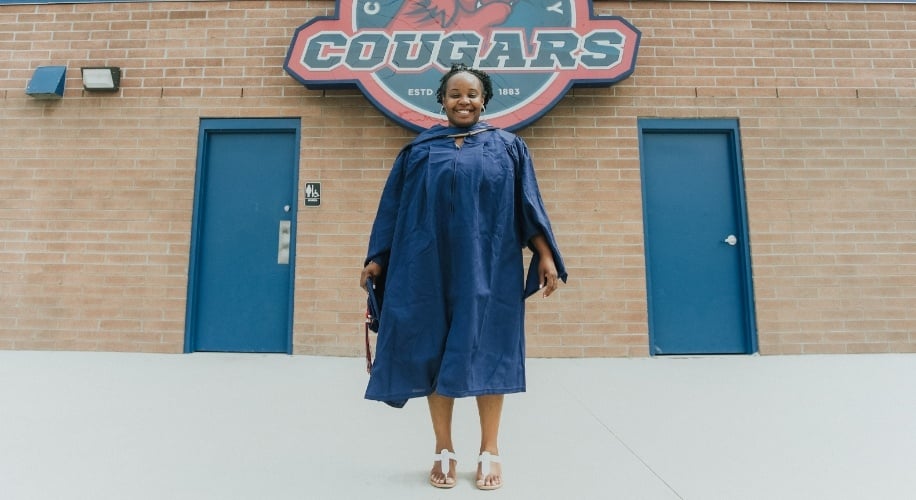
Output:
(730, 127)
(215, 125)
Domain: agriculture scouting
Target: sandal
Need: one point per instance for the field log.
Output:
(445, 465)
(485, 459)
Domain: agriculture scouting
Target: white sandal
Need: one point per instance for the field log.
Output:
(485, 459)
(445, 465)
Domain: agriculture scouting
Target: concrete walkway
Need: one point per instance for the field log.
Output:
(117, 426)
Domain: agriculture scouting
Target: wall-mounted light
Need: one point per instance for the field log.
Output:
(47, 82)
(101, 78)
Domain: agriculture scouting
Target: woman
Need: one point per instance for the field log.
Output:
(458, 207)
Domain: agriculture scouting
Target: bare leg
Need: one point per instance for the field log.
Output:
(440, 411)
(490, 408)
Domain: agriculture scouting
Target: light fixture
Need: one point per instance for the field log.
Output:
(47, 82)
(106, 78)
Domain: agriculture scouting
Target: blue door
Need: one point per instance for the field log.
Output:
(697, 254)
(242, 253)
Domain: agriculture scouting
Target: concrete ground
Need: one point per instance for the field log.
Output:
(101, 426)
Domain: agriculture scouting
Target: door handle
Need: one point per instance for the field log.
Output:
(731, 240)
(283, 245)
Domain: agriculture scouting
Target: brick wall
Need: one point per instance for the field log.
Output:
(96, 192)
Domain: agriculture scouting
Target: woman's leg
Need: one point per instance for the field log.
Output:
(490, 408)
(440, 410)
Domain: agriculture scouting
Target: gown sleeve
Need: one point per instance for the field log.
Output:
(386, 217)
(533, 217)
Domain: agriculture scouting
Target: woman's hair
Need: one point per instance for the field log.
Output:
(458, 68)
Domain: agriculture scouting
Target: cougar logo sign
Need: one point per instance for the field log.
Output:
(396, 51)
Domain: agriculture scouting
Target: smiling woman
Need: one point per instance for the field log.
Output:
(463, 97)
(460, 204)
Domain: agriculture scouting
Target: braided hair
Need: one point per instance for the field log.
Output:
(461, 67)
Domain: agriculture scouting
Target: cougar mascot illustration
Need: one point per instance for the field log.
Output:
(454, 15)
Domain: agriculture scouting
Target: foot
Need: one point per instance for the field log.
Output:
(443, 473)
(489, 472)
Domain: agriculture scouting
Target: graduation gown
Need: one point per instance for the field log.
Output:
(449, 233)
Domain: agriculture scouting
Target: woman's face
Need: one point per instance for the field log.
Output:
(463, 99)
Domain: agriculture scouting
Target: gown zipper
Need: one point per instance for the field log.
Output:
(451, 205)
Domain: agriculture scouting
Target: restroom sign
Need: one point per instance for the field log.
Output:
(312, 194)
(396, 51)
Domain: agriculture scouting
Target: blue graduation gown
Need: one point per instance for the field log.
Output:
(449, 233)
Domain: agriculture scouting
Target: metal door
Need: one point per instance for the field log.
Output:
(242, 253)
(698, 269)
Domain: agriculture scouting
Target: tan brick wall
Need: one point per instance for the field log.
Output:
(96, 192)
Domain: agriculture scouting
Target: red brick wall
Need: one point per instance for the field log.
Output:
(96, 192)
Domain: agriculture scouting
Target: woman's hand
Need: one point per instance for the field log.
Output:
(372, 270)
(547, 269)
